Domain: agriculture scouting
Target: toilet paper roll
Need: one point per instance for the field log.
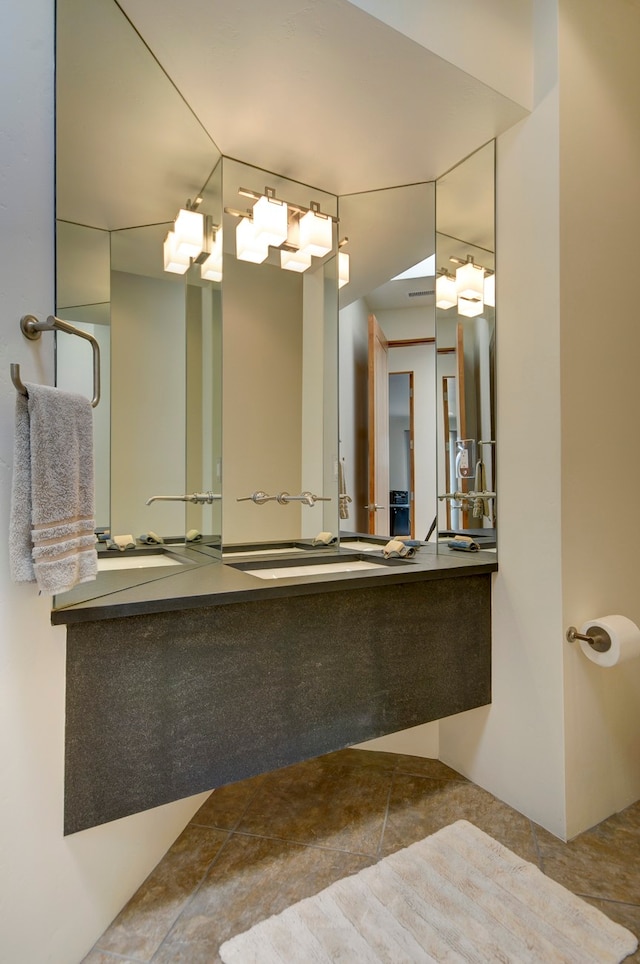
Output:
(624, 636)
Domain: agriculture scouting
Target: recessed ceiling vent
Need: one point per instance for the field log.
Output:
(420, 294)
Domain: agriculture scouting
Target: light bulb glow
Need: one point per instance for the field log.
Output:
(470, 307)
(248, 248)
(173, 261)
(343, 269)
(316, 234)
(470, 281)
(490, 290)
(446, 294)
(188, 230)
(270, 221)
(294, 260)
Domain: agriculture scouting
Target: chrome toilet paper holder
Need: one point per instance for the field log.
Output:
(599, 639)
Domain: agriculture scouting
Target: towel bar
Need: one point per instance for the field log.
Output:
(32, 328)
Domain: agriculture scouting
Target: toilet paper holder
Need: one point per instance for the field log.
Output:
(599, 639)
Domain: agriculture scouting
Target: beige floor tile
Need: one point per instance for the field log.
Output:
(419, 806)
(424, 767)
(333, 806)
(141, 926)
(103, 957)
(252, 879)
(224, 807)
(602, 862)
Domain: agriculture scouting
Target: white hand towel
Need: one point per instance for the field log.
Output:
(51, 530)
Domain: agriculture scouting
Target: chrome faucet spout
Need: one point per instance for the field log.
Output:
(199, 498)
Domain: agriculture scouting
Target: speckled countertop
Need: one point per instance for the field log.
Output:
(204, 580)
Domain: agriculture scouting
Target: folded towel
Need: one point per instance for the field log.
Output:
(324, 539)
(150, 538)
(466, 544)
(193, 536)
(51, 530)
(396, 547)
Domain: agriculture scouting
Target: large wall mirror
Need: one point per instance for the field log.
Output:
(253, 380)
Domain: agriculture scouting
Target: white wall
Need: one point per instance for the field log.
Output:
(57, 894)
(600, 348)
(515, 747)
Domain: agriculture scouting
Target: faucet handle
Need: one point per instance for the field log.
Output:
(258, 497)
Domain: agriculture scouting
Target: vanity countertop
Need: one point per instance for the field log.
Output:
(203, 580)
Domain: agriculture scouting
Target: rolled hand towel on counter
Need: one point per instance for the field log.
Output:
(121, 543)
(324, 539)
(150, 539)
(51, 532)
(465, 543)
(398, 548)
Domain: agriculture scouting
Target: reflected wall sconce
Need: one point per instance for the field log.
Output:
(194, 239)
(300, 234)
(343, 264)
(446, 294)
(469, 291)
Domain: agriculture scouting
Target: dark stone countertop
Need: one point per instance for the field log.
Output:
(204, 580)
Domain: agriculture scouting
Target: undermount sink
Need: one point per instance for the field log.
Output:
(313, 569)
(256, 550)
(143, 561)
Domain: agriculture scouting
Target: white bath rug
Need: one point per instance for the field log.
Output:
(455, 896)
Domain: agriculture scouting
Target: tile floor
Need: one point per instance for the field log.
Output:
(258, 846)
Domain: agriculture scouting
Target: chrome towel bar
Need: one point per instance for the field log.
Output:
(32, 328)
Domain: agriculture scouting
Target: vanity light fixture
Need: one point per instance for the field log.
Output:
(316, 232)
(270, 219)
(174, 262)
(470, 280)
(343, 264)
(490, 289)
(470, 307)
(211, 267)
(446, 294)
(248, 246)
(292, 260)
(189, 232)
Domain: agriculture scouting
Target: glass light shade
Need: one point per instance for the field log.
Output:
(446, 294)
(173, 261)
(470, 281)
(211, 269)
(343, 268)
(470, 307)
(189, 229)
(490, 290)
(294, 260)
(247, 247)
(316, 234)
(270, 221)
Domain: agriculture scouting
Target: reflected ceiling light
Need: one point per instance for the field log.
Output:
(248, 247)
(173, 261)
(189, 233)
(446, 294)
(343, 269)
(490, 289)
(470, 280)
(423, 269)
(316, 232)
(211, 267)
(270, 219)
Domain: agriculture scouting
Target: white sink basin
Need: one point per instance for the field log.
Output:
(147, 561)
(322, 569)
(360, 546)
(287, 550)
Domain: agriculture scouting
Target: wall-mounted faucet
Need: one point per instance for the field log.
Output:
(200, 498)
(307, 497)
(283, 498)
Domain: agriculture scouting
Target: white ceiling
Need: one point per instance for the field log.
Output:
(320, 92)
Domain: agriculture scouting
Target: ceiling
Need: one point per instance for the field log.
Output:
(318, 91)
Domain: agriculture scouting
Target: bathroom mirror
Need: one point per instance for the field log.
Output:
(466, 330)
(392, 245)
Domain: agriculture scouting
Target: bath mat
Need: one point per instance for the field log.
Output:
(457, 895)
